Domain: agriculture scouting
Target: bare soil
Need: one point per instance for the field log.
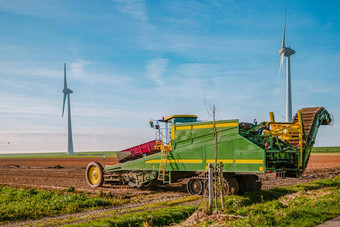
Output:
(322, 161)
(60, 173)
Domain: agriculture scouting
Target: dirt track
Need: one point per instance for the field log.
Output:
(60, 173)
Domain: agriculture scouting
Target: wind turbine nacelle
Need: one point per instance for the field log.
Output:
(289, 52)
(67, 91)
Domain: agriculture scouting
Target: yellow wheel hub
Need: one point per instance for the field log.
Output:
(94, 175)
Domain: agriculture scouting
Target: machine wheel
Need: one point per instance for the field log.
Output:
(234, 186)
(250, 183)
(258, 184)
(195, 187)
(230, 186)
(94, 174)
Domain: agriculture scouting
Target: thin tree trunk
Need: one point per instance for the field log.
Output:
(216, 177)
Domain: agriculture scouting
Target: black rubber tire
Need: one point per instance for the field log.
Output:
(250, 183)
(195, 187)
(99, 180)
(234, 186)
(257, 184)
(246, 184)
(205, 188)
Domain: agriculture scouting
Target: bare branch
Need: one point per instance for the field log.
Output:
(205, 104)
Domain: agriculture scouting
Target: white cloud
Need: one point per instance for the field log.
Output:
(155, 69)
(77, 68)
(28, 70)
(135, 8)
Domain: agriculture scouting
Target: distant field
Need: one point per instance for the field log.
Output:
(326, 149)
(61, 155)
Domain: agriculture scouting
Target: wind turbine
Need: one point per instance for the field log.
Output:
(287, 52)
(67, 93)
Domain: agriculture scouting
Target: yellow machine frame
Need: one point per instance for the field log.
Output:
(287, 131)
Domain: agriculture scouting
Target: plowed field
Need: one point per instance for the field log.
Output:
(60, 173)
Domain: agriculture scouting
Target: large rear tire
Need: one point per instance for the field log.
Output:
(234, 186)
(94, 174)
(250, 183)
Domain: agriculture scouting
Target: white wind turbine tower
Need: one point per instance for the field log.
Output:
(67, 93)
(287, 52)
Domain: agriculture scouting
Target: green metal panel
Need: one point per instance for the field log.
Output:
(188, 160)
(193, 148)
(201, 130)
(224, 154)
(248, 157)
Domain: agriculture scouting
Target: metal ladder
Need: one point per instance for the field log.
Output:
(162, 163)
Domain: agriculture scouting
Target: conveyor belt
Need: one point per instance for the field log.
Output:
(309, 116)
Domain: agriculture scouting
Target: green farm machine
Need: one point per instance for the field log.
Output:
(184, 148)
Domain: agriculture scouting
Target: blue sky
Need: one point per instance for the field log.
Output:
(130, 61)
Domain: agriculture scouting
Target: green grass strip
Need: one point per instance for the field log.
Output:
(21, 204)
(233, 203)
(160, 217)
(326, 149)
(307, 209)
(316, 202)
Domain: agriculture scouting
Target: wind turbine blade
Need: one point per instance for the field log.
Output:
(65, 83)
(64, 104)
(281, 63)
(284, 31)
